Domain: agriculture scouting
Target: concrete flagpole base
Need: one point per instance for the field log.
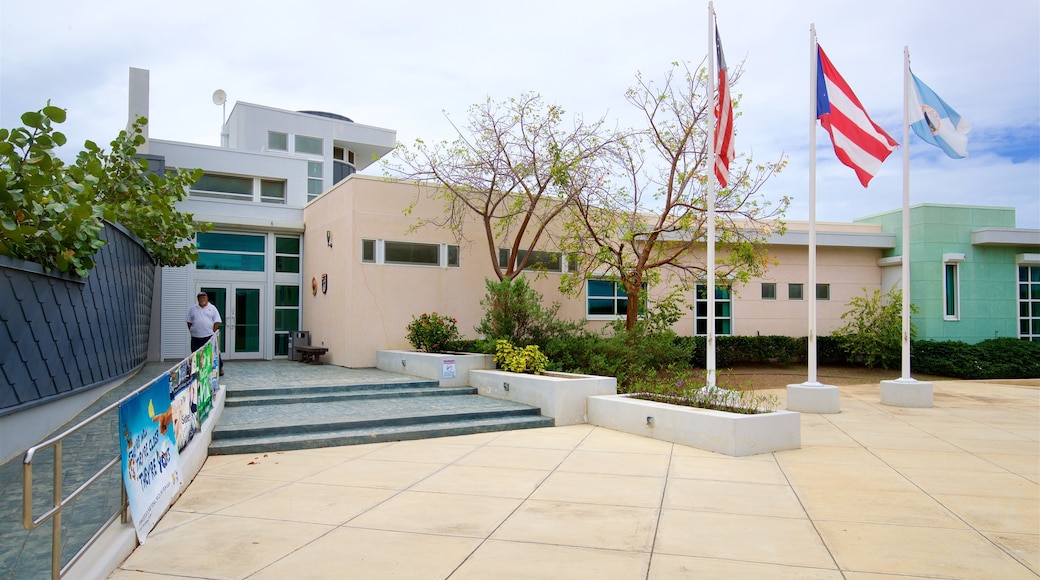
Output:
(813, 398)
(906, 393)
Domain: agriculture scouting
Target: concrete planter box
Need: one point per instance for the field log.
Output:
(451, 369)
(733, 434)
(561, 396)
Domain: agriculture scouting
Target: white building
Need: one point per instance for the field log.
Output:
(270, 164)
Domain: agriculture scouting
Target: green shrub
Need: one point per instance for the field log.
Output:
(998, 358)
(520, 360)
(432, 332)
(873, 329)
(513, 311)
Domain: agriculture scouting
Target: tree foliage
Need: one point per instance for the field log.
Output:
(874, 328)
(513, 312)
(648, 219)
(51, 213)
(515, 167)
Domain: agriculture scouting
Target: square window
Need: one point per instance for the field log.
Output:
(277, 141)
(768, 291)
(272, 191)
(823, 291)
(794, 292)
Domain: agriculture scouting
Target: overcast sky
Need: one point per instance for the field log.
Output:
(403, 64)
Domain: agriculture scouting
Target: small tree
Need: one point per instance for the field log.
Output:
(650, 218)
(513, 311)
(874, 327)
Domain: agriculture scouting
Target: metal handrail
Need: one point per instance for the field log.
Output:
(54, 513)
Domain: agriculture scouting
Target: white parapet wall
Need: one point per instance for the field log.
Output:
(562, 396)
(449, 369)
(735, 434)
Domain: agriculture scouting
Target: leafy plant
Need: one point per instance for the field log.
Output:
(873, 328)
(52, 212)
(431, 332)
(513, 311)
(686, 389)
(520, 360)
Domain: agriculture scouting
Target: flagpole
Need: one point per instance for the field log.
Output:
(906, 214)
(811, 290)
(710, 362)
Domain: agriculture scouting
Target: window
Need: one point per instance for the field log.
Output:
(794, 291)
(768, 290)
(240, 252)
(277, 141)
(272, 191)
(723, 310)
(540, 261)
(286, 316)
(952, 286)
(309, 145)
(409, 253)
(606, 298)
(823, 291)
(1029, 302)
(287, 255)
(315, 179)
(224, 186)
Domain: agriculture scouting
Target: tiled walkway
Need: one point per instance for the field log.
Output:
(874, 492)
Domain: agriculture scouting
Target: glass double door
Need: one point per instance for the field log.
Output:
(240, 309)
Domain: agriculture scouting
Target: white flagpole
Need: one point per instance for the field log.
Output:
(906, 213)
(811, 289)
(710, 363)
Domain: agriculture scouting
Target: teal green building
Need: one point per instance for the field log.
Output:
(973, 274)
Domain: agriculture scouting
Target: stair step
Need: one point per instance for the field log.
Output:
(375, 422)
(358, 436)
(240, 392)
(347, 395)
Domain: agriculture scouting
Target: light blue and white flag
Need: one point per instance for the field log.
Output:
(936, 122)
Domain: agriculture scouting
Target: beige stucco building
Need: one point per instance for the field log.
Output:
(368, 271)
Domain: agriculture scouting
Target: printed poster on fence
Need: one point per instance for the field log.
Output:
(203, 371)
(151, 467)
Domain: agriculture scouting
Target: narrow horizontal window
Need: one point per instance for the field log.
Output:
(309, 145)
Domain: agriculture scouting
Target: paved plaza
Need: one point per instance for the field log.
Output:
(875, 492)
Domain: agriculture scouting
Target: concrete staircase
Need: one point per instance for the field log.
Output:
(270, 418)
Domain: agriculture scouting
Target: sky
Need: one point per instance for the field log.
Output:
(408, 65)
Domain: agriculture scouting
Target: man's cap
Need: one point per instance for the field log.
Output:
(201, 294)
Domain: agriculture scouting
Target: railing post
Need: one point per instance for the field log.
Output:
(56, 524)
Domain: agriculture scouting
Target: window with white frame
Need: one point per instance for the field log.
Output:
(539, 260)
(272, 190)
(723, 310)
(952, 286)
(315, 179)
(1029, 302)
(606, 299)
(309, 145)
(223, 186)
(277, 141)
(409, 253)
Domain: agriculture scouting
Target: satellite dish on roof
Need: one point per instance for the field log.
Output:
(219, 97)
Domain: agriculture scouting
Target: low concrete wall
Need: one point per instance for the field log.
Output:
(561, 396)
(733, 434)
(450, 369)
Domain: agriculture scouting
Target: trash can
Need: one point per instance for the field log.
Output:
(298, 338)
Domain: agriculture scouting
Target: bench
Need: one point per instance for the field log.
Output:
(310, 354)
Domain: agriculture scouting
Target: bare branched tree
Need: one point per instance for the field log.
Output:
(653, 213)
(516, 168)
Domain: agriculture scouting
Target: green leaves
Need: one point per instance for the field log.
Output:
(52, 213)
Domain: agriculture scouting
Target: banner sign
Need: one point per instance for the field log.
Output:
(151, 466)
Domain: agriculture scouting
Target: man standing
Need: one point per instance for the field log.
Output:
(203, 320)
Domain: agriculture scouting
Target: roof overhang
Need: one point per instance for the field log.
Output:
(1005, 237)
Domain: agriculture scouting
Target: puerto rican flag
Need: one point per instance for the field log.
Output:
(723, 120)
(858, 141)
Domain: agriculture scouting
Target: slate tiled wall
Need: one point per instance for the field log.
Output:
(64, 334)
